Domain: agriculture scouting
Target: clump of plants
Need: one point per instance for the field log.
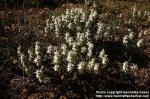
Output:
(83, 42)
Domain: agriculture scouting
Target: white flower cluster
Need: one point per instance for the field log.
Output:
(71, 59)
(64, 49)
(69, 20)
(99, 30)
(104, 58)
(57, 60)
(23, 59)
(50, 49)
(90, 66)
(81, 67)
(91, 18)
(38, 58)
(140, 43)
(130, 69)
(39, 74)
(31, 54)
(19, 50)
(128, 38)
(79, 30)
(90, 49)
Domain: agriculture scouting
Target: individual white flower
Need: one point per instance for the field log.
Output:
(35, 60)
(15, 61)
(83, 49)
(67, 36)
(88, 35)
(71, 56)
(102, 53)
(37, 48)
(70, 25)
(56, 67)
(131, 35)
(71, 41)
(106, 34)
(67, 11)
(91, 64)
(130, 21)
(46, 30)
(82, 38)
(81, 67)
(83, 17)
(95, 13)
(62, 17)
(100, 28)
(38, 60)
(71, 12)
(146, 32)
(75, 19)
(105, 60)
(39, 74)
(120, 15)
(126, 39)
(19, 50)
(125, 66)
(57, 57)
(78, 36)
(89, 54)
(140, 43)
(75, 47)
(31, 54)
(57, 31)
(51, 26)
(47, 22)
(91, 18)
(90, 48)
(134, 68)
(96, 68)
(53, 17)
(50, 49)
(70, 67)
(64, 49)
(22, 60)
(88, 24)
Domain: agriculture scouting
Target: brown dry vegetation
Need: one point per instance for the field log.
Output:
(14, 84)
